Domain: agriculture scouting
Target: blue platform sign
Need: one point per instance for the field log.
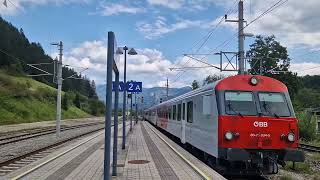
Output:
(134, 86)
(131, 86)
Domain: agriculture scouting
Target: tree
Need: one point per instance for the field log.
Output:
(195, 85)
(212, 78)
(92, 90)
(65, 102)
(270, 58)
(306, 98)
(77, 101)
(307, 125)
(273, 55)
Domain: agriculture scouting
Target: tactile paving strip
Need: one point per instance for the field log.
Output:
(163, 167)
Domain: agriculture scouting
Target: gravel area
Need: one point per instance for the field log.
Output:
(10, 151)
(9, 130)
(312, 160)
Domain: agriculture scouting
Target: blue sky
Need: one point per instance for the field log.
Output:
(161, 31)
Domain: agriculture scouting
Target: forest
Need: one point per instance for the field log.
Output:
(16, 51)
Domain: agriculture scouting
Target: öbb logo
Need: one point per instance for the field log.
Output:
(260, 124)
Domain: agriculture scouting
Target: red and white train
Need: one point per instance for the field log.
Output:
(243, 124)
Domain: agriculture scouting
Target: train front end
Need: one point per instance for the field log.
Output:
(257, 125)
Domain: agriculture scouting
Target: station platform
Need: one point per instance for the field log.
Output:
(148, 155)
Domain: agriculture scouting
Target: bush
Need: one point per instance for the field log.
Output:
(307, 125)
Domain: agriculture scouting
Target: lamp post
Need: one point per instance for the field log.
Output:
(130, 52)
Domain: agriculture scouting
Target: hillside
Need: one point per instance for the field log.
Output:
(24, 100)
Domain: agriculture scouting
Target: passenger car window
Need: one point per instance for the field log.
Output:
(184, 111)
(179, 112)
(273, 104)
(240, 103)
(206, 105)
(190, 112)
(174, 112)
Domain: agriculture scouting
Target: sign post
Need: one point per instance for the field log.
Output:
(111, 67)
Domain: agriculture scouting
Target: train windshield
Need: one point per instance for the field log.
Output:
(240, 103)
(273, 104)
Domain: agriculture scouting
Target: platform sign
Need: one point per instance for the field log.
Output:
(131, 86)
(121, 86)
(134, 86)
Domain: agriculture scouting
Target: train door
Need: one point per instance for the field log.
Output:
(183, 122)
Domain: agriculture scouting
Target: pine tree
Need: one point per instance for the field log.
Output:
(77, 102)
(65, 102)
(195, 85)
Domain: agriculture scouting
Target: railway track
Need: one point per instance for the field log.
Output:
(27, 158)
(309, 148)
(41, 132)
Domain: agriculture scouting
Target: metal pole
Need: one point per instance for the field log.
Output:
(220, 61)
(115, 130)
(131, 114)
(136, 106)
(59, 82)
(167, 88)
(241, 39)
(124, 108)
(107, 135)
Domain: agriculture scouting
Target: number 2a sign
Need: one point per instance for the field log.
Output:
(134, 86)
(131, 86)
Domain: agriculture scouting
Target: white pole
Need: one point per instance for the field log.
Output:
(59, 81)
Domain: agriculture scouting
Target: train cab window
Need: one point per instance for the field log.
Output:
(184, 111)
(240, 103)
(273, 104)
(190, 112)
(174, 112)
(179, 112)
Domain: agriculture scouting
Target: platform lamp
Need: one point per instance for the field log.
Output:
(130, 52)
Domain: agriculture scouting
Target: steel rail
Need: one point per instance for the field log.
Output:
(310, 148)
(22, 137)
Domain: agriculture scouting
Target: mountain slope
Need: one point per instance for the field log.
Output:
(24, 100)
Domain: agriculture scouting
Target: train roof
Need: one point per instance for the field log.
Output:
(237, 82)
(203, 89)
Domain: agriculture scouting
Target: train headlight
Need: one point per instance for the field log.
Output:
(228, 135)
(291, 137)
(254, 81)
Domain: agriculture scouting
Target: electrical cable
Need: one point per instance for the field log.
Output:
(226, 42)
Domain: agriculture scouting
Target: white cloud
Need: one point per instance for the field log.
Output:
(18, 6)
(189, 5)
(160, 26)
(149, 66)
(172, 4)
(116, 9)
(305, 68)
(295, 23)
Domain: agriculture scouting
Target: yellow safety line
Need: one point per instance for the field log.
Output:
(204, 176)
(53, 158)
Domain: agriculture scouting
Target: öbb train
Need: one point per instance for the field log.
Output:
(241, 124)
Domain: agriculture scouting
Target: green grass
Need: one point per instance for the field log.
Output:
(286, 177)
(315, 142)
(24, 100)
(300, 167)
